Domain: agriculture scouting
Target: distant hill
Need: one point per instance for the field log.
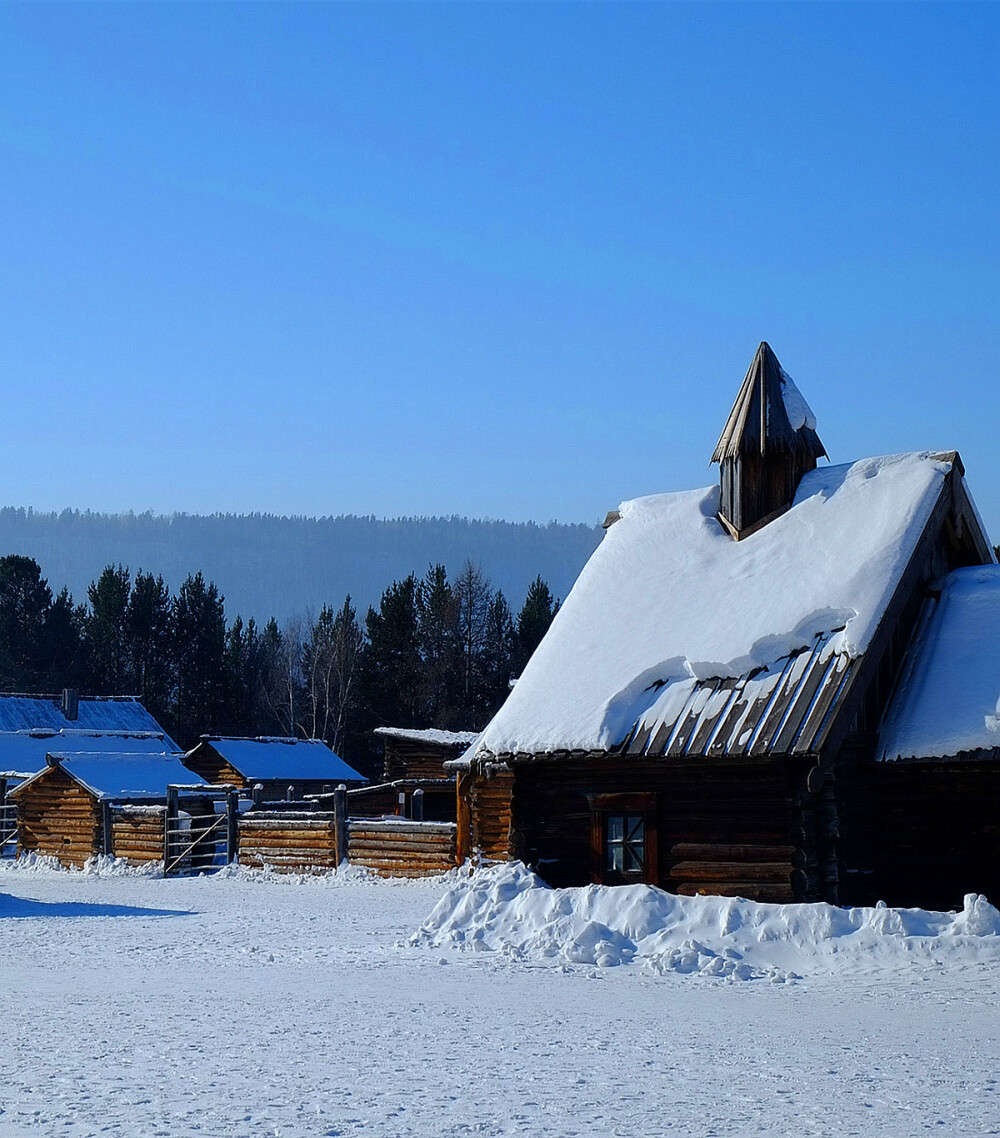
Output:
(267, 565)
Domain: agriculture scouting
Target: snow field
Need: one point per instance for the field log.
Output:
(242, 1005)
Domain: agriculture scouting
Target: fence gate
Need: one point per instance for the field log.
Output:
(200, 833)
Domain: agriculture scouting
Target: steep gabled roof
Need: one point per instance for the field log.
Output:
(676, 639)
(117, 774)
(103, 713)
(769, 415)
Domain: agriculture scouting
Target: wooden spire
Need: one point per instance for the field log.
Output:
(768, 443)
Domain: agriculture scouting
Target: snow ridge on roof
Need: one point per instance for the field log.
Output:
(948, 699)
(668, 597)
(429, 735)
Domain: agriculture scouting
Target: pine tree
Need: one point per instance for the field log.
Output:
(390, 664)
(106, 631)
(199, 635)
(149, 629)
(440, 648)
(533, 622)
(25, 600)
(497, 655)
(64, 664)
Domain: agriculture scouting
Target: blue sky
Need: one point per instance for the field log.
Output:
(495, 260)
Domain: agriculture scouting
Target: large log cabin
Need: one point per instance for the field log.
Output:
(733, 697)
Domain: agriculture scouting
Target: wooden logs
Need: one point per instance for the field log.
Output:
(411, 849)
(288, 844)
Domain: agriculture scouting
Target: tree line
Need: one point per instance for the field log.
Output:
(434, 653)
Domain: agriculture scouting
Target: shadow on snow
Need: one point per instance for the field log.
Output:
(25, 907)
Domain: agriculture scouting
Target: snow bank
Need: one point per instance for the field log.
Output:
(654, 605)
(509, 910)
(949, 698)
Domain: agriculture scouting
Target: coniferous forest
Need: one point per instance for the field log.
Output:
(434, 653)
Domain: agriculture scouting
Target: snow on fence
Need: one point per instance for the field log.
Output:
(398, 847)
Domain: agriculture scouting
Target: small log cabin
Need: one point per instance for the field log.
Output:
(415, 759)
(283, 767)
(61, 809)
(751, 688)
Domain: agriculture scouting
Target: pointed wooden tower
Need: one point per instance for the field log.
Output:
(768, 443)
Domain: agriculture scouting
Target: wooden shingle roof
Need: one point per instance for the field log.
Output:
(759, 421)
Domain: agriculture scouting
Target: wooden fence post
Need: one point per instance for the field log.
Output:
(258, 793)
(169, 826)
(232, 827)
(107, 827)
(340, 823)
(418, 805)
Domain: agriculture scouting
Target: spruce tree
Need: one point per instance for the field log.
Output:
(533, 622)
(199, 635)
(25, 601)
(106, 632)
(497, 659)
(149, 628)
(440, 649)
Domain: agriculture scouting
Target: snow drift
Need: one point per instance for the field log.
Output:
(509, 910)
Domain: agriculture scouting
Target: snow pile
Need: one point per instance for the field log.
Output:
(509, 910)
(949, 700)
(654, 605)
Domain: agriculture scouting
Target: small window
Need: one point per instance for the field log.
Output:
(625, 843)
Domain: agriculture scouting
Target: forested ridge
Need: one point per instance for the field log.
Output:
(433, 652)
(268, 565)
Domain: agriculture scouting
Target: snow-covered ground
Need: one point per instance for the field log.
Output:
(236, 1007)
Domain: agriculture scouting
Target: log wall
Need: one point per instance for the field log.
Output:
(287, 842)
(137, 833)
(406, 758)
(921, 834)
(746, 829)
(56, 817)
(402, 849)
(486, 806)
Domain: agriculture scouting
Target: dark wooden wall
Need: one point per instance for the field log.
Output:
(749, 828)
(921, 834)
(406, 758)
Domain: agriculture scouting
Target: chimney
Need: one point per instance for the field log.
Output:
(71, 703)
(768, 443)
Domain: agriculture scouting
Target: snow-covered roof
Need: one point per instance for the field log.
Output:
(104, 713)
(119, 774)
(948, 700)
(26, 750)
(429, 735)
(669, 600)
(281, 758)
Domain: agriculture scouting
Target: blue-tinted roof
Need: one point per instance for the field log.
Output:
(25, 751)
(106, 713)
(270, 758)
(127, 775)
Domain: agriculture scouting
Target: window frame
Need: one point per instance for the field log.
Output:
(605, 806)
